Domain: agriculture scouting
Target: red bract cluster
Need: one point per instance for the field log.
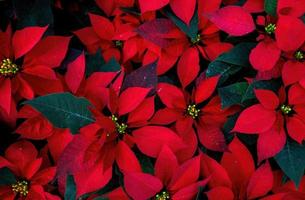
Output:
(160, 99)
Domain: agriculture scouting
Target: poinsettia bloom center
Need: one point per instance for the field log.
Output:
(196, 40)
(270, 28)
(21, 187)
(118, 43)
(299, 55)
(8, 68)
(286, 109)
(193, 111)
(120, 127)
(164, 195)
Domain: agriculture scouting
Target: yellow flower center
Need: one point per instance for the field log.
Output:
(193, 111)
(118, 43)
(21, 187)
(120, 127)
(286, 110)
(270, 28)
(163, 196)
(196, 40)
(8, 68)
(299, 55)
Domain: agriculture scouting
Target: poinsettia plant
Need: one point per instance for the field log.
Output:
(161, 100)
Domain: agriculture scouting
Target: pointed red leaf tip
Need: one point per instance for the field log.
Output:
(102, 26)
(186, 174)
(21, 154)
(92, 179)
(49, 52)
(126, 159)
(293, 72)
(183, 9)
(131, 98)
(239, 165)
(271, 142)
(75, 73)
(166, 165)
(25, 39)
(234, 20)
(264, 56)
(37, 128)
(188, 66)
(141, 186)
(205, 89)
(148, 5)
(260, 182)
(5, 97)
(267, 98)
(171, 96)
(289, 33)
(151, 139)
(255, 119)
(218, 175)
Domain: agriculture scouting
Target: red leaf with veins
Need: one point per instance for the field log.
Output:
(234, 20)
(188, 66)
(150, 140)
(25, 39)
(240, 166)
(255, 119)
(261, 182)
(141, 186)
(184, 9)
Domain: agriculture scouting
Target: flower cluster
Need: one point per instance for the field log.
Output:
(160, 99)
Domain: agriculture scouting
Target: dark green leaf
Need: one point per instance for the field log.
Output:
(146, 163)
(70, 193)
(270, 7)
(292, 161)
(239, 55)
(192, 30)
(270, 85)
(94, 63)
(111, 66)
(232, 94)
(64, 110)
(131, 10)
(6, 177)
(100, 198)
(223, 69)
(200, 194)
(33, 13)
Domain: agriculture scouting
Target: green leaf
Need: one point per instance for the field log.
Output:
(270, 7)
(70, 193)
(35, 13)
(146, 163)
(232, 94)
(270, 85)
(111, 66)
(64, 110)
(239, 55)
(200, 195)
(100, 198)
(192, 30)
(292, 161)
(6, 177)
(96, 63)
(223, 69)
